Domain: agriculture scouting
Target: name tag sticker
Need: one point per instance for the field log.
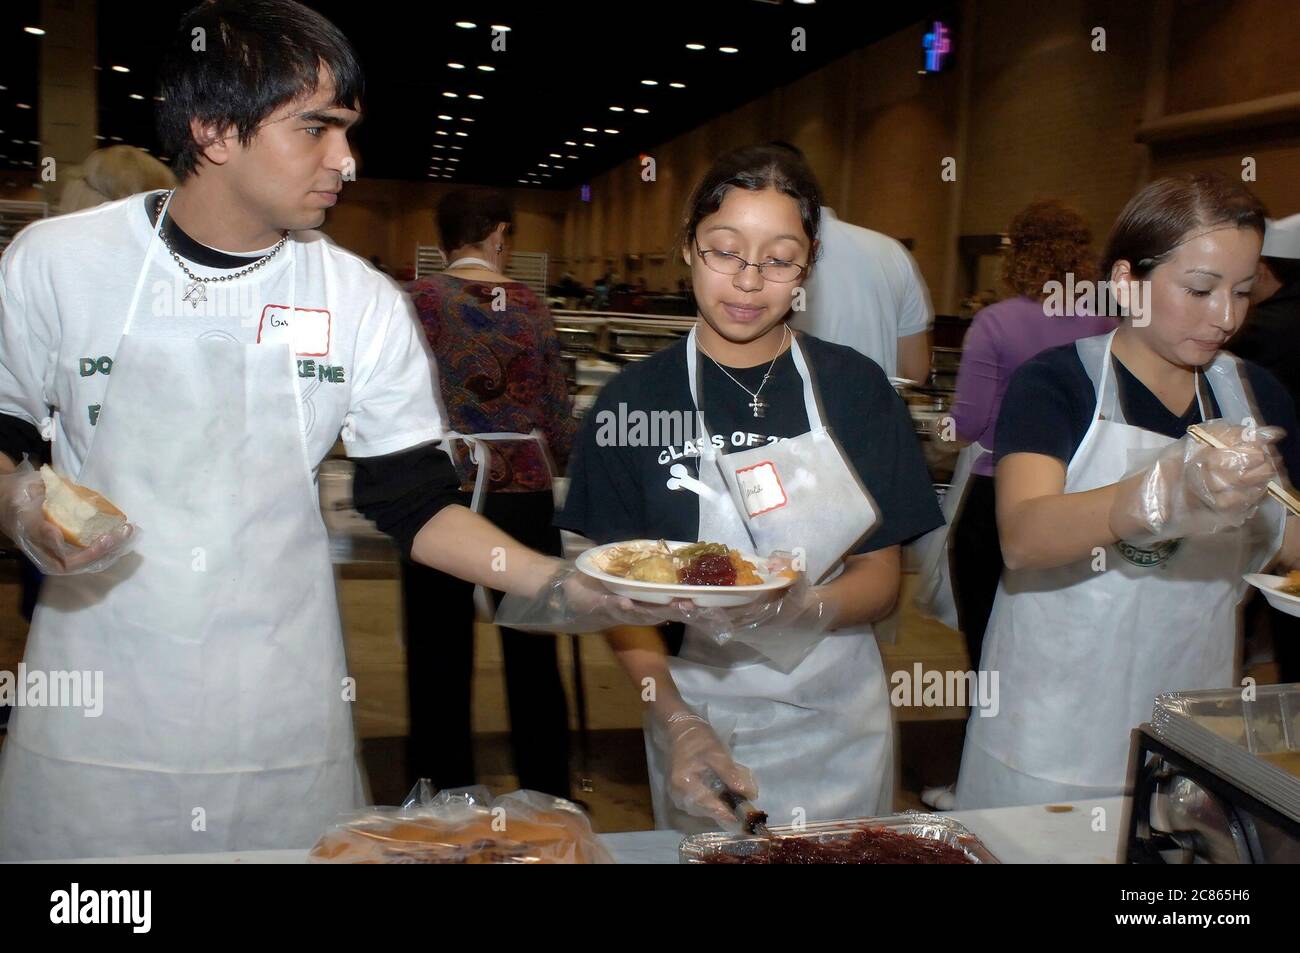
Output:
(760, 488)
(308, 330)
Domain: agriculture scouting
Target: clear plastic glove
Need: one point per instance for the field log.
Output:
(696, 761)
(22, 494)
(784, 627)
(574, 602)
(1193, 489)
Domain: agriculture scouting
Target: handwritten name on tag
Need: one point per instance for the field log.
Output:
(307, 330)
(760, 488)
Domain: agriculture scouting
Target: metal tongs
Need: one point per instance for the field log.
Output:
(1275, 489)
(752, 820)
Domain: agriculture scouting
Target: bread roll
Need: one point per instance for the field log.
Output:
(81, 514)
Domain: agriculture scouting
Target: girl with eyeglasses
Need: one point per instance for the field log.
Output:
(749, 434)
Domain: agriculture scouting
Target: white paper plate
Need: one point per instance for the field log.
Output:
(662, 593)
(1281, 601)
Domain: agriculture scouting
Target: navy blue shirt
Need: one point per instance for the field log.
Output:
(1050, 403)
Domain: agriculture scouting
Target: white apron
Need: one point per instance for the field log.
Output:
(934, 595)
(224, 724)
(818, 739)
(1081, 655)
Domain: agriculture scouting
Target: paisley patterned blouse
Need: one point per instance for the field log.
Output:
(500, 372)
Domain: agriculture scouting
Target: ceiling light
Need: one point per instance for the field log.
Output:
(569, 142)
(570, 157)
(555, 155)
(22, 106)
(616, 109)
(440, 132)
(457, 148)
(500, 29)
(590, 145)
(588, 128)
(677, 85)
(612, 132)
(639, 109)
(466, 119)
(461, 134)
(451, 95)
(465, 24)
(445, 118)
(136, 96)
(456, 65)
(649, 82)
(542, 165)
(487, 69)
(34, 30)
(121, 69)
(695, 46)
(475, 96)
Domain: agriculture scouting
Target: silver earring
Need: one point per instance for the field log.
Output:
(499, 247)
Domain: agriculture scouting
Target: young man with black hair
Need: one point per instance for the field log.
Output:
(193, 356)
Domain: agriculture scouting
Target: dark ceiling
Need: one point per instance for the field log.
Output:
(563, 67)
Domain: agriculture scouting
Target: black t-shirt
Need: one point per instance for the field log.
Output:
(1050, 402)
(618, 491)
(1271, 337)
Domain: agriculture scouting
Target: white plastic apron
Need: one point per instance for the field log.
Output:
(819, 739)
(1082, 654)
(224, 724)
(934, 585)
(481, 456)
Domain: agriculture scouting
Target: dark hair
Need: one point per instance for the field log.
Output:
(1048, 239)
(255, 56)
(755, 168)
(1164, 213)
(467, 216)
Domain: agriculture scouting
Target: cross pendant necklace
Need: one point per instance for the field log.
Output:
(757, 404)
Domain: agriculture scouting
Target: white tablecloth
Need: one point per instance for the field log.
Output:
(1089, 833)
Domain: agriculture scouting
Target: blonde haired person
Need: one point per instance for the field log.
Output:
(114, 173)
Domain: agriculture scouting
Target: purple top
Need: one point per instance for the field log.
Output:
(1001, 338)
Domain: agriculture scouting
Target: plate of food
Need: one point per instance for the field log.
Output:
(1282, 592)
(711, 575)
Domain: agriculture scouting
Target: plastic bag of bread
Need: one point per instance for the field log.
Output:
(464, 826)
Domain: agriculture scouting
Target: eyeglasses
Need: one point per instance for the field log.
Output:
(725, 263)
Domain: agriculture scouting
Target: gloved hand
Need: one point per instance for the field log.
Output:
(1193, 489)
(574, 602)
(785, 626)
(696, 761)
(22, 494)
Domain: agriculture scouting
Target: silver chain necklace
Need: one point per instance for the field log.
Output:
(196, 291)
(757, 404)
